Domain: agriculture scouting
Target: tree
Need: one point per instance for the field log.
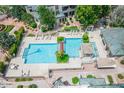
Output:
(105, 11)
(20, 13)
(17, 11)
(90, 14)
(28, 18)
(47, 17)
(86, 15)
(6, 40)
(4, 9)
(117, 17)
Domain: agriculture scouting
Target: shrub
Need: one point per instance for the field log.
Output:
(44, 28)
(120, 76)
(122, 62)
(32, 86)
(110, 79)
(60, 39)
(2, 67)
(85, 38)
(90, 76)
(75, 80)
(33, 25)
(20, 86)
(62, 57)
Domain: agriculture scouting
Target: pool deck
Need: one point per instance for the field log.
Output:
(38, 70)
(42, 70)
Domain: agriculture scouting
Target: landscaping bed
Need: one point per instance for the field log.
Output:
(110, 79)
(19, 35)
(120, 77)
(71, 28)
(6, 28)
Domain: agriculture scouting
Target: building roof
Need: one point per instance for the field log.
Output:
(92, 81)
(114, 38)
(87, 48)
(105, 62)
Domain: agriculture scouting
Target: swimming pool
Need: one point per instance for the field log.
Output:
(40, 53)
(45, 53)
(72, 46)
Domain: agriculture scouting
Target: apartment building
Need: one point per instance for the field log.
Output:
(60, 11)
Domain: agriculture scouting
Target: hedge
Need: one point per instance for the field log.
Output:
(2, 67)
(90, 76)
(20, 86)
(32, 86)
(23, 79)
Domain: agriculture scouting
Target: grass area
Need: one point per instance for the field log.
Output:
(23, 79)
(91, 76)
(110, 79)
(75, 80)
(71, 28)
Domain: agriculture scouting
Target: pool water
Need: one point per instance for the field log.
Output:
(72, 46)
(46, 53)
(40, 53)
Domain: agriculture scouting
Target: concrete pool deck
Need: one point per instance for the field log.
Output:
(42, 70)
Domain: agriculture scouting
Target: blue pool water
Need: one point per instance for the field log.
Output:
(40, 53)
(72, 46)
(45, 53)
